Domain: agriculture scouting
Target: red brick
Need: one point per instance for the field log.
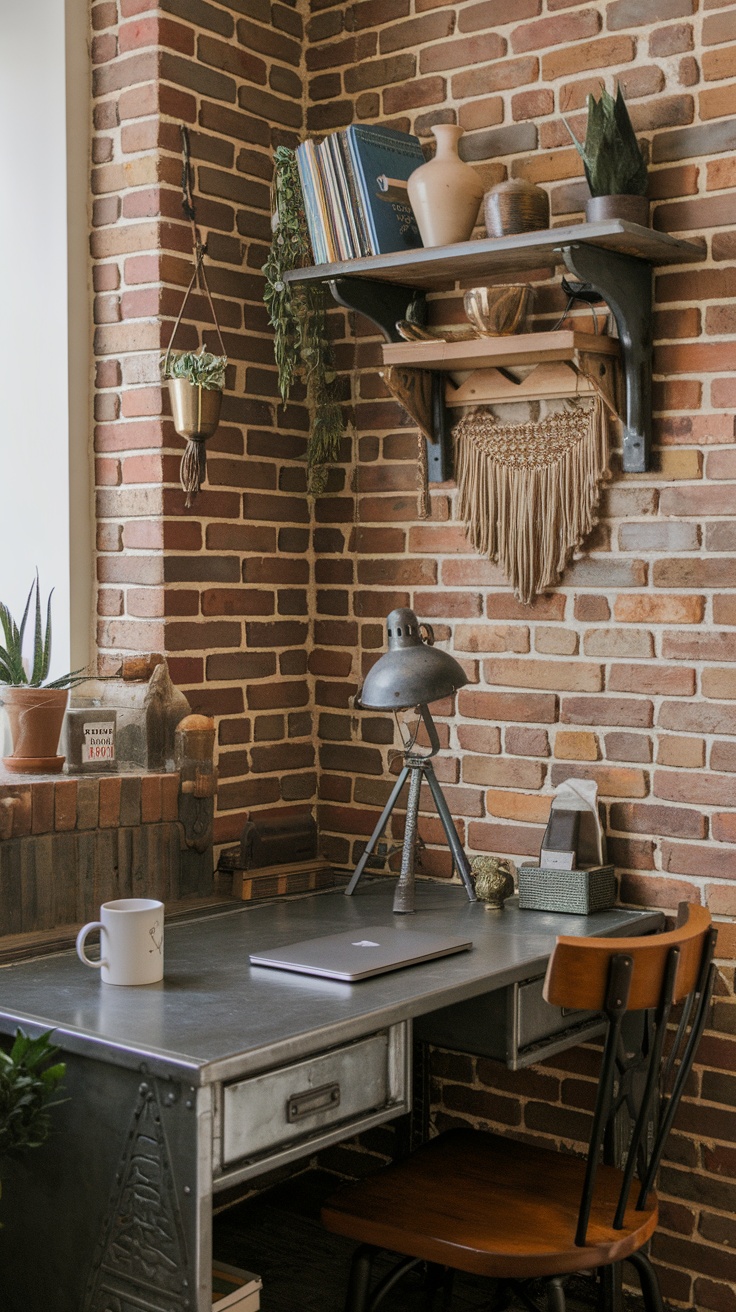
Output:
(701, 789)
(534, 707)
(604, 53)
(647, 609)
(634, 712)
(567, 676)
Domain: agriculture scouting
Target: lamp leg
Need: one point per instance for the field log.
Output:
(448, 824)
(404, 895)
(388, 808)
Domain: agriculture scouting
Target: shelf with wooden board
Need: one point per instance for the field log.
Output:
(564, 364)
(615, 257)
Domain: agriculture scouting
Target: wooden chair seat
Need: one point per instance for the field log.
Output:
(492, 1206)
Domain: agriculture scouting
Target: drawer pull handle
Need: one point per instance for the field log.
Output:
(311, 1102)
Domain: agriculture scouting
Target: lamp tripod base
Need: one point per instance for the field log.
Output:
(415, 768)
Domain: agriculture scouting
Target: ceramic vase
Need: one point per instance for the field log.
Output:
(35, 716)
(515, 206)
(445, 193)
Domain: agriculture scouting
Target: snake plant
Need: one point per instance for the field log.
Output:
(12, 666)
(612, 159)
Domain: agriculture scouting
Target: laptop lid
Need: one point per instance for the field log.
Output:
(362, 952)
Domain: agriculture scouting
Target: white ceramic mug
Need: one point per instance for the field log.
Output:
(131, 941)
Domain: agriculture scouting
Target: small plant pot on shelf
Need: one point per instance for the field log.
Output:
(36, 716)
(632, 209)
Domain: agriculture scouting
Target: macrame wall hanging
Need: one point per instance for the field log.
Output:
(528, 492)
(195, 378)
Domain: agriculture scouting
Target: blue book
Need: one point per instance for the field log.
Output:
(383, 159)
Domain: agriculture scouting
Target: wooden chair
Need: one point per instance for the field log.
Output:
(494, 1206)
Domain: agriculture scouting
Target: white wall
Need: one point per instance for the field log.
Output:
(41, 513)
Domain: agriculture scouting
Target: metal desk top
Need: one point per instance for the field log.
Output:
(217, 1017)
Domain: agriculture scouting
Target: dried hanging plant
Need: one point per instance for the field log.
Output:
(296, 312)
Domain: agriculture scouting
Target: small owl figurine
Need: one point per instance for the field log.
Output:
(494, 880)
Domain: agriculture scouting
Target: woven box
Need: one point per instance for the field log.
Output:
(578, 892)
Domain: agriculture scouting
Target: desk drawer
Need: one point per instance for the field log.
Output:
(269, 1112)
(537, 1019)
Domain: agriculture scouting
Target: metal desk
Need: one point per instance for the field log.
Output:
(224, 1070)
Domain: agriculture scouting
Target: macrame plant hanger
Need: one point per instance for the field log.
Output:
(193, 466)
(528, 492)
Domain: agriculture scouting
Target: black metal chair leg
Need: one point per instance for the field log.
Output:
(650, 1290)
(396, 1274)
(611, 1295)
(555, 1295)
(359, 1283)
(439, 1280)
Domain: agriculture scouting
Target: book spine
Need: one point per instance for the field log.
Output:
(335, 212)
(360, 180)
(346, 204)
(314, 224)
(363, 235)
(322, 188)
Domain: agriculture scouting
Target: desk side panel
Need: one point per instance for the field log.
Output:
(107, 1213)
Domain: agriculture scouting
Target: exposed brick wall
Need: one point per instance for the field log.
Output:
(624, 674)
(221, 589)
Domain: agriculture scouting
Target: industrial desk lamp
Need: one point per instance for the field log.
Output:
(411, 674)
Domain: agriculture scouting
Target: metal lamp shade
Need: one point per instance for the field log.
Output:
(411, 673)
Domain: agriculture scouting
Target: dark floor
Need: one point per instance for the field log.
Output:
(305, 1269)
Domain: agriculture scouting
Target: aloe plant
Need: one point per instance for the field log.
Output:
(12, 667)
(199, 367)
(612, 158)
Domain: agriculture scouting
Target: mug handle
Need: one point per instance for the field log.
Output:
(81, 936)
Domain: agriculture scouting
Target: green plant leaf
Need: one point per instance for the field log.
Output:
(198, 367)
(12, 670)
(612, 158)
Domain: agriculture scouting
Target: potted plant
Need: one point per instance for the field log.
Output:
(35, 709)
(196, 380)
(29, 1082)
(614, 165)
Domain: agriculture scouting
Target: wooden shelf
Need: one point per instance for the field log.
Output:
(487, 352)
(434, 266)
(614, 257)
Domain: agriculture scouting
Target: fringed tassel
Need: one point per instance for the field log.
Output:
(529, 493)
(193, 468)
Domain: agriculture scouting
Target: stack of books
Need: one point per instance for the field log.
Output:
(355, 197)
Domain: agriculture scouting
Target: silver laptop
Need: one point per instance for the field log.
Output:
(361, 952)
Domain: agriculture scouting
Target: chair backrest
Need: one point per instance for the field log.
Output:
(650, 974)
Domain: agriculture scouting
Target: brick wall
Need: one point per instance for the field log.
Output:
(624, 674)
(221, 589)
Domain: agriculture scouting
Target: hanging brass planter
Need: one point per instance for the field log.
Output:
(196, 410)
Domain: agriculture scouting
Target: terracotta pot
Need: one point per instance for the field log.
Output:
(196, 410)
(36, 716)
(515, 206)
(445, 193)
(634, 209)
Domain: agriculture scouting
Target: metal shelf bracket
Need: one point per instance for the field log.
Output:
(385, 304)
(625, 283)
